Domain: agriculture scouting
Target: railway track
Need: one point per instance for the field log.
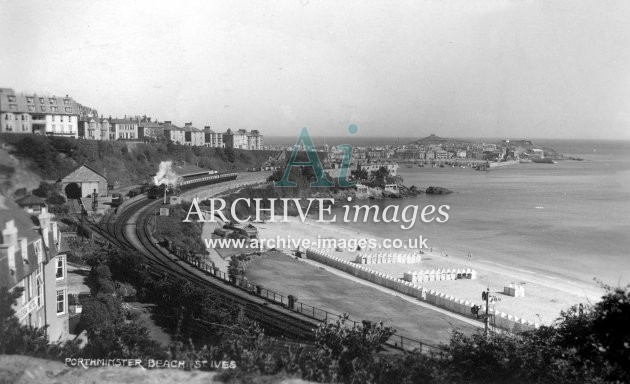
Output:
(129, 230)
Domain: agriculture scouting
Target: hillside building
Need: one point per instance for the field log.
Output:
(33, 113)
(33, 257)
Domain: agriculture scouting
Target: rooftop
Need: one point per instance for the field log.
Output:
(25, 264)
(30, 200)
(188, 170)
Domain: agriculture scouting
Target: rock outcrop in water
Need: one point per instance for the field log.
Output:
(438, 191)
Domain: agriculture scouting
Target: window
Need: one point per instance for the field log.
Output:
(29, 287)
(69, 109)
(61, 267)
(38, 250)
(66, 101)
(40, 287)
(13, 107)
(41, 100)
(53, 101)
(31, 108)
(29, 99)
(11, 98)
(43, 108)
(61, 301)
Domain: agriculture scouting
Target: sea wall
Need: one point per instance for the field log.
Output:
(499, 319)
(503, 163)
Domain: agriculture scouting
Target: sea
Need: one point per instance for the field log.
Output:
(569, 220)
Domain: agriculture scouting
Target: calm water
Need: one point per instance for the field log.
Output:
(569, 220)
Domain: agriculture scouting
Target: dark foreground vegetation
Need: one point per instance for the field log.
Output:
(591, 345)
(122, 162)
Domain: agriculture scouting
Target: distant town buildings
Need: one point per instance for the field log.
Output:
(150, 130)
(236, 139)
(63, 116)
(212, 139)
(242, 139)
(33, 113)
(124, 129)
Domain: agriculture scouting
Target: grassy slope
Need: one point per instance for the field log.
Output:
(321, 288)
(122, 162)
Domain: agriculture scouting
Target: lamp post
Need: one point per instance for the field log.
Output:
(485, 295)
(486, 319)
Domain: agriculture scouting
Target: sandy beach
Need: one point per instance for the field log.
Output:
(545, 296)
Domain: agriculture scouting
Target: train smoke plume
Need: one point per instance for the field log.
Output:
(165, 174)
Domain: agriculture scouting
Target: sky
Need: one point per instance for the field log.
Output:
(514, 69)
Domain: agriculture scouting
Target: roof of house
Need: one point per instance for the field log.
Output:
(86, 166)
(25, 264)
(30, 200)
(33, 103)
(188, 170)
(9, 210)
(149, 124)
(123, 121)
(186, 128)
(169, 126)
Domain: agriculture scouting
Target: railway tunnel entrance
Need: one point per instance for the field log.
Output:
(73, 191)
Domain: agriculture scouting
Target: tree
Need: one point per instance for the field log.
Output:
(360, 173)
(348, 354)
(16, 338)
(611, 332)
(45, 190)
(381, 173)
(230, 156)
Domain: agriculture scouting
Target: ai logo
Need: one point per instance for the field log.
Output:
(313, 161)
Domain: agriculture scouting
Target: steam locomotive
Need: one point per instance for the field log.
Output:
(189, 182)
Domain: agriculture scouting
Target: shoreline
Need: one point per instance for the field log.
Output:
(545, 296)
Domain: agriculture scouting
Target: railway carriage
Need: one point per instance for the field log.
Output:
(188, 177)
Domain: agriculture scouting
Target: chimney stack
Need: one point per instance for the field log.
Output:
(44, 223)
(24, 249)
(9, 234)
(9, 252)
